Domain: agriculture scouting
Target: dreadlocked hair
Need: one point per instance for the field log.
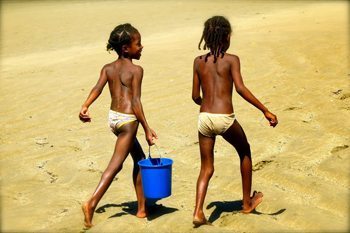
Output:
(215, 33)
(121, 35)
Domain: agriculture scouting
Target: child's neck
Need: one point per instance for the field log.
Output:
(121, 57)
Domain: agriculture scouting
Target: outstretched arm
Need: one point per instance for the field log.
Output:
(196, 97)
(137, 106)
(94, 94)
(243, 91)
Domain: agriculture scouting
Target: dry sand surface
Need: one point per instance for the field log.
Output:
(294, 57)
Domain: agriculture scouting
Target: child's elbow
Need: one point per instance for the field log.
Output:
(197, 99)
(194, 98)
(240, 89)
(97, 90)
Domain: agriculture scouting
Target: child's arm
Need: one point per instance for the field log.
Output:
(94, 94)
(137, 105)
(196, 97)
(243, 91)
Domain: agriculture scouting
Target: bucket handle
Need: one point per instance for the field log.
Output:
(149, 153)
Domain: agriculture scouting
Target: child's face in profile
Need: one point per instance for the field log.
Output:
(135, 47)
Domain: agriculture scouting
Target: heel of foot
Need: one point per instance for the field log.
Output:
(255, 200)
(198, 222)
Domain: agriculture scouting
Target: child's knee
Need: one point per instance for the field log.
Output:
(209, 171)
(244, 150)
(109, 173)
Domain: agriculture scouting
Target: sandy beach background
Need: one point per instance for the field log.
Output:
(294, 57)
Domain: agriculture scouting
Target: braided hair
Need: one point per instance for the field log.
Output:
(215, 33)
(121, 35)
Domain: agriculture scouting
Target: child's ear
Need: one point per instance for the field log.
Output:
(125, 49)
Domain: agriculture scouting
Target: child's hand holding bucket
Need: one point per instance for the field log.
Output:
(151, 137)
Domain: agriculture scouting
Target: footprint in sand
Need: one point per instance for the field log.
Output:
(342, 97)
(53, 177)
(339, 148)
(260, 165)
(21, 198)
(57, 216)
(308, 118)
(41, 165)
(292, 108)
(94, 170)
(281, 144)
(73, 145)
(345, 96)
(337, 92)
(41, 141)
(63, 212)
(74, 148)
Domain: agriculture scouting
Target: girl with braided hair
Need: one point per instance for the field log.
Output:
(124, 80)
(216, 73)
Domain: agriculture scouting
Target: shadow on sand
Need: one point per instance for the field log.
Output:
(233, 207)
(154, 210)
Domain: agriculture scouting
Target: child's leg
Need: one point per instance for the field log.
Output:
(137, 155)
(122, 147)
(206, 146)
(236, 137)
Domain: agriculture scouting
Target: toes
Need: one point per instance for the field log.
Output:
(255, 200)
(254, 193)
(257, 195)
(198, 223)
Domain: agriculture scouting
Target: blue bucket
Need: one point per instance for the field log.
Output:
(156, 177)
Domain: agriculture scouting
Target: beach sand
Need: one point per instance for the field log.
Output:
(294, 57)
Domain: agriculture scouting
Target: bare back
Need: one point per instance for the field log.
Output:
(216, 82)
(120, 76)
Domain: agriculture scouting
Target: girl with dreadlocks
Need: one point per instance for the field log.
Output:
(216, 73)
(124, 81)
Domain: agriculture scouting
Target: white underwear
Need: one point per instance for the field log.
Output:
(117, 119)
(212, 124)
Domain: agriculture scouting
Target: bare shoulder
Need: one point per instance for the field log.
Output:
(198, 59)
(137, 70)
(108, 66)
(233, 60)
(232, 57)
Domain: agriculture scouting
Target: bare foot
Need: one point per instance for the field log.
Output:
(255, 200)
(199, 222)
(88, 213)
(141, 214)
